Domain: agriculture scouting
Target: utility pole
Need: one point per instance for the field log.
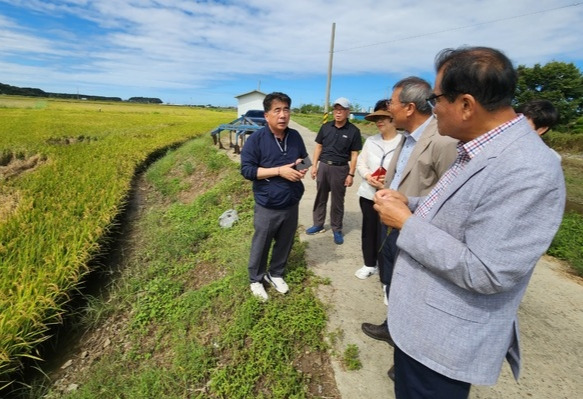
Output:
(327, 100)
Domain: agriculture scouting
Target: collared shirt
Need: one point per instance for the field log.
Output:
(466, 152)
(338, 143)
(410, 141)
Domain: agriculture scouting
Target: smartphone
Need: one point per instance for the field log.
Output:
(304, 164)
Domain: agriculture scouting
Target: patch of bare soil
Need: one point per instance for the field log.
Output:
(197, 181)
(91, 346)
(229, 146)
(203, 274)
(14, 166)
(317, 367)
(70, 140)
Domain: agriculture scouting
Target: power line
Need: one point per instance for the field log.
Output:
(459, 28)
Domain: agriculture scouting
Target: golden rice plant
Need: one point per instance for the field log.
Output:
(65, 200)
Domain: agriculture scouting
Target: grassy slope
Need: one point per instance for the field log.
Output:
(568, 243)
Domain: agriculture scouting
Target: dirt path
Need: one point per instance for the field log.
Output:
(551, 315)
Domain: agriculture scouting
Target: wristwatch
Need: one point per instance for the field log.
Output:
(351, 175)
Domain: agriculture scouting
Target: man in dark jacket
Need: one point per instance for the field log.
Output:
(269, 158)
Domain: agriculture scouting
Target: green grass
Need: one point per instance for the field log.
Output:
(351, 358)
(193, 329)
(573, 170)
(568, 243)
(310, 121)
(565, 142)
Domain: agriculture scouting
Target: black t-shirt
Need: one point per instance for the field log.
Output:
(338, 143)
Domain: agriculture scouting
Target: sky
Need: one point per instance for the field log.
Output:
(202, 52)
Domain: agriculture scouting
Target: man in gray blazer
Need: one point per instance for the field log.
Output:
(468, 250)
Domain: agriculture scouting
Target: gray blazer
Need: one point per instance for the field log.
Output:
(461, 273)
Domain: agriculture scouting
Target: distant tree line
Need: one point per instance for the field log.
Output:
(311, 109)
(34, 92)
(21, 91)
(318, 109)
(145, 100)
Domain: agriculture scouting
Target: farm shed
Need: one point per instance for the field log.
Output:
(249, 100)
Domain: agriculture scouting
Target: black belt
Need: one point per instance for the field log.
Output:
(335, 163)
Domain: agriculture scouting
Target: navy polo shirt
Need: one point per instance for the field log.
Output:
(262, 149)
(338, 143)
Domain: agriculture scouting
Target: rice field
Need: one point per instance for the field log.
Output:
(65, 171)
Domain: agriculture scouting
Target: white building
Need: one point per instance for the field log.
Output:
(249, 100)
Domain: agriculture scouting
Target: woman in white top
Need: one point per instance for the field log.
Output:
(376, 153)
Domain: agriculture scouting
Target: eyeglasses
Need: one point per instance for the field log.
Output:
(432, 99)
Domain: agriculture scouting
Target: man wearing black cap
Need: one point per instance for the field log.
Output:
(337, 146)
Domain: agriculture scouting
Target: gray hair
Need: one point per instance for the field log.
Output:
(415, 90)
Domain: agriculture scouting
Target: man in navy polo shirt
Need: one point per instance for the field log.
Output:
(337, 146)
(269, 158)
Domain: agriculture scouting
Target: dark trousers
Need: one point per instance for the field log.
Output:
(388, 255)
(370, 232)
(413, 380)
(330, 179)
(272, 225)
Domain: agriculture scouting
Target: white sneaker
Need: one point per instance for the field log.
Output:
(259, 291)
(277, 282)
(366, 271)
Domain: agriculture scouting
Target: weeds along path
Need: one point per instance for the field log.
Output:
(551, 315)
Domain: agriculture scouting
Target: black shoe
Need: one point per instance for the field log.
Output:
(391, 373)
(379, 332)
